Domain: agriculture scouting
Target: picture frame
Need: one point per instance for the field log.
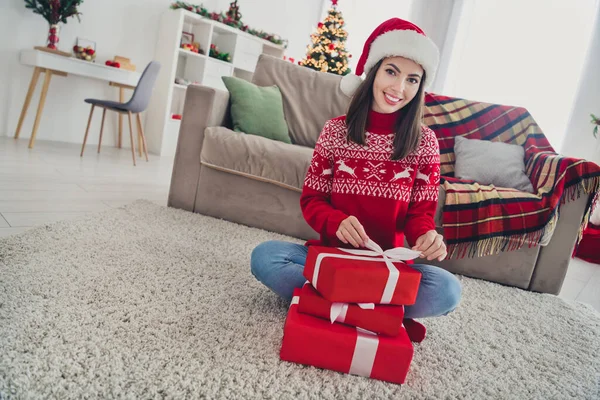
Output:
(186, 38)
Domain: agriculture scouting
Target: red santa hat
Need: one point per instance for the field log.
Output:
(395, 37)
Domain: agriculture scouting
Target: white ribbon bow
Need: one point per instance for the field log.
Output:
(395, 254)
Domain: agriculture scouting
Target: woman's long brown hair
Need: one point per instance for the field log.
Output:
(407, 127)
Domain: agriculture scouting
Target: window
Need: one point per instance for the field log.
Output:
(525, 53)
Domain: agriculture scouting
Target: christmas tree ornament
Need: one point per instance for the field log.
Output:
(328, 50)
(85, 50)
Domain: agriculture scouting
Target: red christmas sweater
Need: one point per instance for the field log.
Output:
(389, 198)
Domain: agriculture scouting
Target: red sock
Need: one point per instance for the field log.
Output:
(416, 331)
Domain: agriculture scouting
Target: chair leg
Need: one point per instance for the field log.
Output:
(101, 130)
(131, 138)
(87, 130)
(141, 131)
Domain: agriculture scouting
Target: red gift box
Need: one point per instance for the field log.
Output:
(382, 319)
(314, 341)
(344, 275)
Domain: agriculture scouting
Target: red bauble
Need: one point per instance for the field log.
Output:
(90, 52)
(117, 65)
(292, 60)
(334, 2)
(331, 46)
(320, 25)
(349, 55)
(109, 63)
(308, 57)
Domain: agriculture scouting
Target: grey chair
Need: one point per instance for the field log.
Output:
(138, 103)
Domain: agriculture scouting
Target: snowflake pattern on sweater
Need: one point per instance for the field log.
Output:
(354, 177)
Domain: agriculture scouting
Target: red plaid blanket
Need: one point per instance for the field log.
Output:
(481, 220)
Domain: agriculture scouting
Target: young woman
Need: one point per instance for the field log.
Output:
(375, 174)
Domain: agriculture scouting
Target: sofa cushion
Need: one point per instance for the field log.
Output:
(491, 163)
(256, 157)
(257, 110)
(310, 98)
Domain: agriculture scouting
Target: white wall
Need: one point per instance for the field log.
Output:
(579, 141)
(120, 27)
(528, 54)
(433, 17)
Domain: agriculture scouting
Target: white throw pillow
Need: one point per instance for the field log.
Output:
(491, 163)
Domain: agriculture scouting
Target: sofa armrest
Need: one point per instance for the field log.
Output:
(204, 106)
(554, 258)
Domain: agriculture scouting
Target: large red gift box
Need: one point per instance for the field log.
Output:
(314, 341)
(341, 276)
(382, 319)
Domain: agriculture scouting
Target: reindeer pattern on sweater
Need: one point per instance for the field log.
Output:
(345, 167)
(390, 198)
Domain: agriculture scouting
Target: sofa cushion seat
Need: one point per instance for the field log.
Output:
(256, 157)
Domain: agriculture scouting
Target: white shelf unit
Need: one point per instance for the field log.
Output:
(168, 98)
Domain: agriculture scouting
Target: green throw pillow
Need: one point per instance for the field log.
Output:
(257, 110)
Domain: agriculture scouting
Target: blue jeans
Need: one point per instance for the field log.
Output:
(279, 265)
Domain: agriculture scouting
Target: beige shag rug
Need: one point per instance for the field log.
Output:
(146, 302)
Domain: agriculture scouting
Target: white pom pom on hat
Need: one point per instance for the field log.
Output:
(394, 37)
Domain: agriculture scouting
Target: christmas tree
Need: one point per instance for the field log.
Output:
(233, 13)
(328, 50)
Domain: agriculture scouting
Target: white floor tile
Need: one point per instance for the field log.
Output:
(12, 231)
(81, 205)
(591, 292)
(39, 186)
(23, 195)
(25, 219)
(571, 288)
(581, 270)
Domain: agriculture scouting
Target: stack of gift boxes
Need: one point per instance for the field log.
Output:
(348, 316)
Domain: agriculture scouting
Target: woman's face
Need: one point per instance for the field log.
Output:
(396, 84)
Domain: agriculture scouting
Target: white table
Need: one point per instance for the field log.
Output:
(54, 64)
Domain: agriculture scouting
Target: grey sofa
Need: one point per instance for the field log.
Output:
(257, 182)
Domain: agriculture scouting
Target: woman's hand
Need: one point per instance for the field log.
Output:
(431, 245)
(351, 231)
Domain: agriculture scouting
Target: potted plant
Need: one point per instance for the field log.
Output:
(55, 12)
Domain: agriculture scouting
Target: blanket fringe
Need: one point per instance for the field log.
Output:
(496, 245)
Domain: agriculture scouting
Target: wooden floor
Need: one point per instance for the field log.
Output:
(51, 182)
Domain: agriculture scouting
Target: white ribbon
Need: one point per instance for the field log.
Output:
(337, 312)
(388, 256)
(365, 351)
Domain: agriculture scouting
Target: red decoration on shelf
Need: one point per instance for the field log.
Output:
(113, 64)
(176, 116)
